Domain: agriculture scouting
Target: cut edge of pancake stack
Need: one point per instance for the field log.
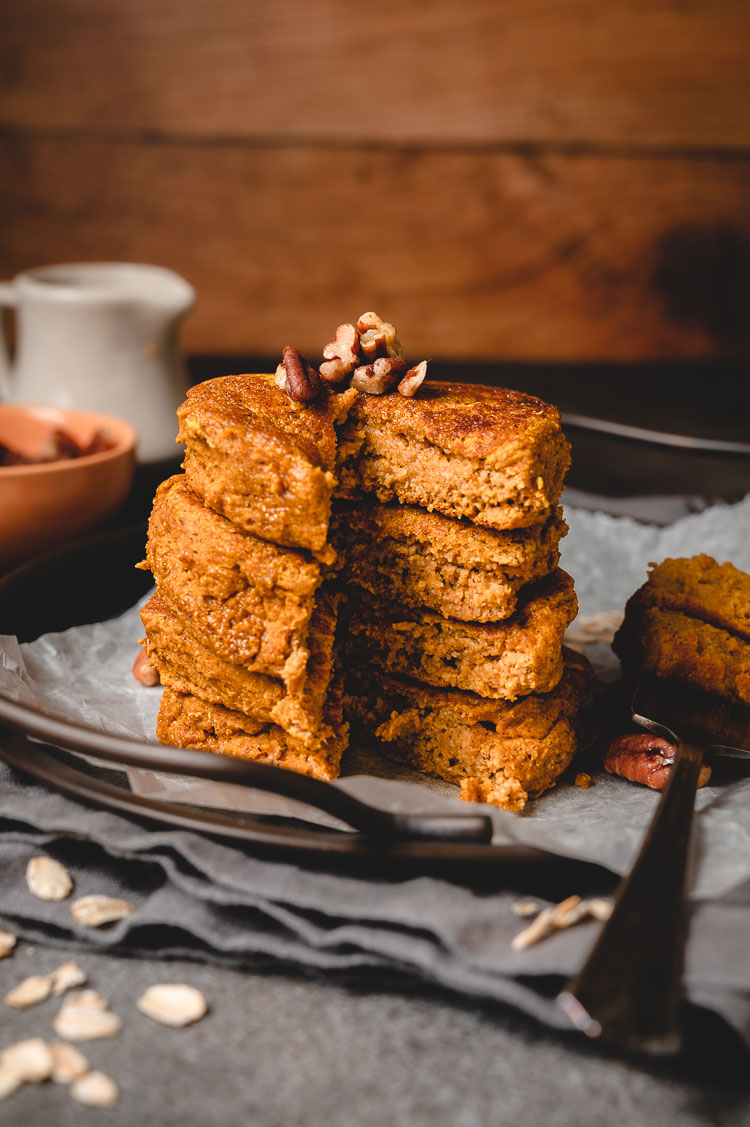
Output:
(443, 547)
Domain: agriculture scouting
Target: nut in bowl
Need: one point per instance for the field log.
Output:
(62, 473)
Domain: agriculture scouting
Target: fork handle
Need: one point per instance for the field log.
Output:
(628, 992)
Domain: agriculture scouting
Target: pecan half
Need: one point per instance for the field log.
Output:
(413, 379)
(643, 758)
(341, 355)
(302, 380)
(378, 338)
(144, 671)
(379, 377)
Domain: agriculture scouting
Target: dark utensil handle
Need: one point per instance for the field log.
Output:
(629, 989)
(333, 800)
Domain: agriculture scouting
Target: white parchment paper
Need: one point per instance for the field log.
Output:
(84, 675)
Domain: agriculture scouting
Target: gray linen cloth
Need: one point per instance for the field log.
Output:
(199, 897)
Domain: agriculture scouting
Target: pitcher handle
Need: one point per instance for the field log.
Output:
(8, 300)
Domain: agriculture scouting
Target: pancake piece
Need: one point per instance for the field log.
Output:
(244, 598)
(259, 459)
(498, 751)
(188, 666)
(679, 647)
(698, 586)
(690, 622)
(422, 559)
(495, 456)
(520, 655)
(188, 721)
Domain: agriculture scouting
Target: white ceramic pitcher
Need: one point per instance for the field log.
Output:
(101, 336)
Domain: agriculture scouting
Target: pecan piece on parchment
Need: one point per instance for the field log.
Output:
(379, 377)
(644, 758)
(297, 377)
(144, 671)
(341, 355)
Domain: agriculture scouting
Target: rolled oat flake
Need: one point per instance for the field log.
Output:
(173, 1004)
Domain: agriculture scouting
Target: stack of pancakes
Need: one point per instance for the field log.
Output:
(428, 526)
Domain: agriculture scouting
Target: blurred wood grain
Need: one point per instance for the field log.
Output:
(554, 180)
(640, 72)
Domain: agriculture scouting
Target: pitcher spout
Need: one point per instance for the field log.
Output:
(178, 295)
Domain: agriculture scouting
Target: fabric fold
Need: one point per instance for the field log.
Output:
(214, 901)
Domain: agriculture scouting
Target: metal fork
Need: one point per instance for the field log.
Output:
(630, 987)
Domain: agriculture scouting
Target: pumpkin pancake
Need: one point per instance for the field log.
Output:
(494, 456)
(520, 655)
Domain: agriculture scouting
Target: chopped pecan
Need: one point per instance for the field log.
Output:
(341, 355)
(58, 446)
(302, 380)
(644, 758)
(378, 338)
(144, 671)
(379, 377)
(413, 379)
(98, 442)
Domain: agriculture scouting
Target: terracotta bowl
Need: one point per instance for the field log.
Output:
(44, 504)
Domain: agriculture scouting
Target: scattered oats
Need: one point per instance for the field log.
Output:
(48, 879)
(94, 911)
(525, 907)
(69, 1063)
(565, 910)
(86, 1025)
(30, 1060)
(173, 1004)
(95, 1089)
(583, 780)
(66, 977)
(7, 942)
(570, 912)
(29, 992)
(538, 929)
(600, 909)
(85, 1000)
(10, 1081)
(565, 914)
(84, 1017)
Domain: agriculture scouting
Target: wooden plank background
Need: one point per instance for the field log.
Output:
(556, 180)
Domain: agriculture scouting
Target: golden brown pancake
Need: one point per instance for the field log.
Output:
(499, 751)
(261, 460)
(246, 599)
(188, 721)
(522, 654)
(188, 666)
(690, 622)
(423, 559)
(494, 456)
